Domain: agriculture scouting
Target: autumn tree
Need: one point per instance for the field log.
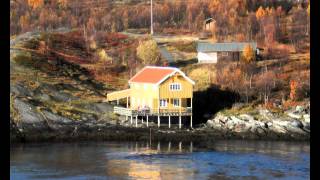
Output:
(248, 54)
(265, 82)
(148, 52)
(25, 22)
(293, 90)
(35, 3)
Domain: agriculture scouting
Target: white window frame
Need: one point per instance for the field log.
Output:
(176, 100)
(165, 103)
(174, 87)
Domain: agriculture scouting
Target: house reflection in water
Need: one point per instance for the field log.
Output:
(144, 163)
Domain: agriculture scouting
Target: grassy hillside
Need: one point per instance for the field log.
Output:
(69, 66)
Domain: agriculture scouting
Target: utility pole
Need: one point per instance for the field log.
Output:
(151, 24)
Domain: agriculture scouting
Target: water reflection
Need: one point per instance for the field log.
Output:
(160, 160)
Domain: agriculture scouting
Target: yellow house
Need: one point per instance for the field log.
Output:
(157, 91)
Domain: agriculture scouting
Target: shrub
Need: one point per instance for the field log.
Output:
(24, 59)
(148, 52)
(248, 54)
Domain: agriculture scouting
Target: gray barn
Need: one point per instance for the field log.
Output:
(214, 52)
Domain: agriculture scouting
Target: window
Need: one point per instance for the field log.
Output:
(175, 86)
(176, 103)
(163, 103)
(224, 54)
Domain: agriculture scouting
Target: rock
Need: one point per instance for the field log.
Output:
(306, 126)
(83, 78)
(278, 129)
(266, 114)
(297, 124)
(27, 112)
(235, 120)
(280, 122)
(293, 115)
(241, 128)
(299, 109)
(57, 118)
(210, 123)
(306, 118)
(295, 130)
(246, 117)
(62, 96)
(269, 124)
(44, 97)
(20, 90)
(260, 130)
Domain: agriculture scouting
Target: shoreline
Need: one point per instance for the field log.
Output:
(121, 133)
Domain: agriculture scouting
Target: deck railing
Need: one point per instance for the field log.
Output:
(144, 112)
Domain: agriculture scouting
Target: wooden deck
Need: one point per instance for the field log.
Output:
(187, 111)
(118, 95)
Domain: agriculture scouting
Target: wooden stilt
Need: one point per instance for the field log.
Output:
(117, 101)
(136, 121)
(147, 120)
(158, 147)
(191, 121)
(142, 119)
(127, 101)
(169, 146)
(126, 118)
(169, 121)
(191, 146)
(130, 119)
(180, 146)
(158, 121)
(179, 121)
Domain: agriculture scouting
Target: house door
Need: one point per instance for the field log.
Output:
(188, 102)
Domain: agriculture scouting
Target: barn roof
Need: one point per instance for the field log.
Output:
(220, 47)
(156, 75)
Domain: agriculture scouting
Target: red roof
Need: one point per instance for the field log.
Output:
(152, 74)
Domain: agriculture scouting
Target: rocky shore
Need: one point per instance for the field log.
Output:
(52, 127)
(292, 124)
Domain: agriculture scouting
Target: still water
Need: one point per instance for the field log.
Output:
(161, 160)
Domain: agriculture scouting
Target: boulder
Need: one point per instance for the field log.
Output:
(57, 119)
(299, 109)
(278, 129)
(235, 120)
(27, 112)
(266, 114)
(306, 118)
(210, 123)
(281, 122)
(241, 128)
(294, 115)
(296, 123)
(19, 89)
(246, 117)
(306, 126)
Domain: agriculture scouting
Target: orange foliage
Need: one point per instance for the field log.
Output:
(293, 90)
(260, 13)
(35, 3)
